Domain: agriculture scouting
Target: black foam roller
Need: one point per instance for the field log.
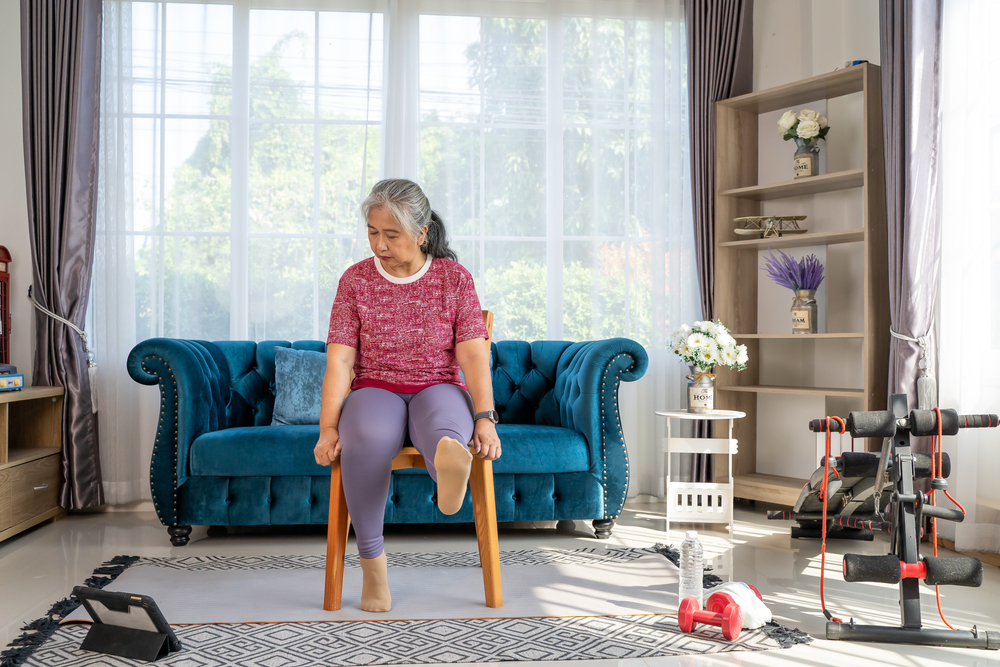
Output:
(858, 464)
(922, 466)
(875, 424)
(961, 571)
(877, 569)
(924, 422)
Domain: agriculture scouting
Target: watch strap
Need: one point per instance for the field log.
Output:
(492, 415)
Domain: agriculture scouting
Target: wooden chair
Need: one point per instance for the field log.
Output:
(483, 508)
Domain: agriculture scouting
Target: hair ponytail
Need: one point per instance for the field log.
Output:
(436, 243)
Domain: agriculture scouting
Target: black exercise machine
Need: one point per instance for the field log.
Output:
(896, 467)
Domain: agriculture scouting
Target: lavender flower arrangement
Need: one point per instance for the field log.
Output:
(807, 273)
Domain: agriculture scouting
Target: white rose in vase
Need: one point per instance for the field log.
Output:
(823, 123)
(809, 114)
(807, 129)
(786, 121)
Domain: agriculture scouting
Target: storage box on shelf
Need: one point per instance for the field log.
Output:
(30, 448)
(738, 193)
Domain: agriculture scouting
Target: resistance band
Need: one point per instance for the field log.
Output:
(823, 493)
(937, 464)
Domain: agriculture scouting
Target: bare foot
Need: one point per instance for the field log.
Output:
(454, 463)
(375, 586)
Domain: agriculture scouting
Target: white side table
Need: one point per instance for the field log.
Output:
(700, 502)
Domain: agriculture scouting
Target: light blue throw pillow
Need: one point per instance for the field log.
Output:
(298, 386)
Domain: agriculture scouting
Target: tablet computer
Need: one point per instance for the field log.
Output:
(127, 610)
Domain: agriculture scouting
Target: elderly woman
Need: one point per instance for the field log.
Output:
(405, 321)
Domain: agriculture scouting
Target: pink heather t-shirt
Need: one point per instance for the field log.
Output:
(405, 329)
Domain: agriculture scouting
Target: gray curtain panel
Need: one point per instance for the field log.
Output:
(720, 66)
(60, 82)
(911, 115)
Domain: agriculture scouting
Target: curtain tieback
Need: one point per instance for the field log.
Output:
(926, 385)
(91, 364)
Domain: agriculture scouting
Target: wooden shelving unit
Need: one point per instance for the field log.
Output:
(30, 467)
(800, 240)
(738, 193)
(798, 336)
(786, 389)
(843, 180)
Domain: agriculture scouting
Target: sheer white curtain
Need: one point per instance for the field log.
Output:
(970, 262)
(239, 139)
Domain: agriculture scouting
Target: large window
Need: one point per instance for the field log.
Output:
(549, 141)
(239, 138)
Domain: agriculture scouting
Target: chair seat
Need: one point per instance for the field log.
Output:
(287, 451)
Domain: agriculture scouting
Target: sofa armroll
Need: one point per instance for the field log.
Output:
(194, 383)
(586, 391)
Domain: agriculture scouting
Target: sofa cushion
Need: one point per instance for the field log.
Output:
(257, 451)
(529, 449)
(298, 386)
(280, 451)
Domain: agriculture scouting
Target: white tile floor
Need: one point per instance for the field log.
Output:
(44, 564)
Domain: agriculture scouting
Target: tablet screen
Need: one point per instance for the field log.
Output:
(133, 617)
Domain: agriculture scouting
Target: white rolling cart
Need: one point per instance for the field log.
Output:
(700, 502)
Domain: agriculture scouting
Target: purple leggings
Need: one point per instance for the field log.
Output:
(373, 426)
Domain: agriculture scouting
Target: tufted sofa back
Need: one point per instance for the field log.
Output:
(523, 374)
(251, 376)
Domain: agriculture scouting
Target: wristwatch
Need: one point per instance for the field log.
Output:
(492, 415)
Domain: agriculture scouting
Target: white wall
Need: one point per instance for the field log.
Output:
(13, 209)
(797, 39)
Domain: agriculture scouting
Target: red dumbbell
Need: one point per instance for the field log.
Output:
(730, 619)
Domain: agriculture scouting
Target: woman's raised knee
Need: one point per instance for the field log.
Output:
(374, 418)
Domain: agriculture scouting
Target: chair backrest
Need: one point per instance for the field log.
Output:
(488, 321)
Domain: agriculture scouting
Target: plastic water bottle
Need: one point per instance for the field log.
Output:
(692, 569)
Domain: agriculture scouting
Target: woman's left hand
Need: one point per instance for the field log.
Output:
(486, 440)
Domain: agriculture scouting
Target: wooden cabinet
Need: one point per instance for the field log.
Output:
(30, 457)
(855, 343)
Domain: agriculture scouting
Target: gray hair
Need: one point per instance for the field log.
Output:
(408, 204)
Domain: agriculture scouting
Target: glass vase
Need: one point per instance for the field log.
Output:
(804, 312)
(806, 160)
(701, 390)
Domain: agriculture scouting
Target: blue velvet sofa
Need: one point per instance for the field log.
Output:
(217, 459)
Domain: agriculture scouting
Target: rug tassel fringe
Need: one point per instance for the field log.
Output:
(39, 631)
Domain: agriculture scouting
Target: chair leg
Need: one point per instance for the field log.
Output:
(338, 523)
(485, 512)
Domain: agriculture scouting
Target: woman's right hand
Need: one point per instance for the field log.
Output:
(327, 447)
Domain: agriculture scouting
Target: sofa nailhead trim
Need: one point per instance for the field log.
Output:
(159, 433)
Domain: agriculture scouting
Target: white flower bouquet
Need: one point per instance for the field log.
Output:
(807, 125)
(708, 344)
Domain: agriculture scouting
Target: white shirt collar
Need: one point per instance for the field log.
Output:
(409, 279)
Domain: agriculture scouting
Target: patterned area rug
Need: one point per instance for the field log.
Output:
(384, 642)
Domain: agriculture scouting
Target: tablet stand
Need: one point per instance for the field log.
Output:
(126, 642)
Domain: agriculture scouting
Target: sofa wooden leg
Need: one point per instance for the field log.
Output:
(179, 535)
(602, 528)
